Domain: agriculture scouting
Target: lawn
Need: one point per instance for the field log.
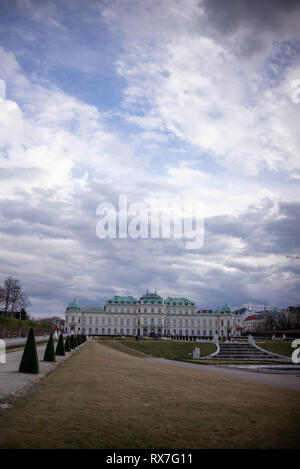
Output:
(173, 350)
(102, 398)
(280, 347)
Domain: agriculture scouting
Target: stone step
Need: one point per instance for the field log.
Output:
(235, 346)
(242, 352)
(238, 349)
(245, 358)
(242, 355)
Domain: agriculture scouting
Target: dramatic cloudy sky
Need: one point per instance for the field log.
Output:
(168, 102)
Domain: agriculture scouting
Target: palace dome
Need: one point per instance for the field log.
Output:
(73, 305)
(151, 298)
(225, 309)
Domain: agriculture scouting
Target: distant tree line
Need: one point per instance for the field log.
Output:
(273, 323)
(54, 321)
(13, 301)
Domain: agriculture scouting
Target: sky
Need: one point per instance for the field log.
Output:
(168, 102)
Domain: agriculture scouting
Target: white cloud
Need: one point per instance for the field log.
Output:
(59, 136)
(187, 83)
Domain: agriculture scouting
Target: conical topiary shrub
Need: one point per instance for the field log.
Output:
(49, 355)
(72, 341)
(29, 362)
(60, 349)
(79, 339)
(75, 341)
(67, 344)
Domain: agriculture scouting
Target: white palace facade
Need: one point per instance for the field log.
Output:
(151, 315)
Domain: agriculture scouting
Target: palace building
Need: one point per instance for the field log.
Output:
(149, 316)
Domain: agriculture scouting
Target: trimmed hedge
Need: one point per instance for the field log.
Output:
(29, 362)
(67, 344)
(72, 341)
(5, 321)
(60, 349)
(49, 355)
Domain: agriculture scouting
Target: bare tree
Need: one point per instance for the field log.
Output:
(15, 294)
(9, 286)
(23, 302)
(283, 323)
(13, 299)
(270, 324)
(2, 297)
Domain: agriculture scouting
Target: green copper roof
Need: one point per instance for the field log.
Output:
(122, 300)
(225, 309)
(151, 298)
(92, 308)
(178, 301)
(73, 305)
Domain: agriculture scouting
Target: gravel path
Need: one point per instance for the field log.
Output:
(280, 380)
(14, 384)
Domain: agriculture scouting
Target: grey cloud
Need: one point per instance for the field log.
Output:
(97, 268)
(257, 22)
(19, 173)
(262, 230)
(53, 248)
(257, 14)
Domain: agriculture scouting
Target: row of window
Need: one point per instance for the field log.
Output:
(148, 310)
(154, 321)
(198, 322)
(147, 332)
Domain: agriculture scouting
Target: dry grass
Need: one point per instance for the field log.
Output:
(97, 399)
(118, 345)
